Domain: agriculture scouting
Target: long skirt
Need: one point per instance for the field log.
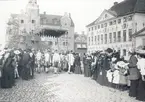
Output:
(133, 88)
(77, 69)
(102, 78)
(25, 73)
(7, 79)
(141, 91)
(88, 71)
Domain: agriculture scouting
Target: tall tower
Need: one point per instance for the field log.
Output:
(33, 17)
(32, 8)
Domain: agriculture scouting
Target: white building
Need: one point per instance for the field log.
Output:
(114, 27)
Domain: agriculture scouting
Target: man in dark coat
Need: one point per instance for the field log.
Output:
(26, 65)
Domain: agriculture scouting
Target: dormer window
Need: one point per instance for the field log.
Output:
(106, 15)
(110, 23)
(125, 19)
(130, 18)
(33, 21)
(119, 21)
(22, 21)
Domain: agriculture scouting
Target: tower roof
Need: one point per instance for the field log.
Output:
(33, 1)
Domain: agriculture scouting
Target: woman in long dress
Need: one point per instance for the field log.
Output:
(141, 86)
(134, 74)
(77, 63)
(7, 79)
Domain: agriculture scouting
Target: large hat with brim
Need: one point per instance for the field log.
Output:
(131, 50)
(17, 52)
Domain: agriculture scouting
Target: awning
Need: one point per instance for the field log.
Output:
(52, 32)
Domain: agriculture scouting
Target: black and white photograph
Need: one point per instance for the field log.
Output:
(72, 50)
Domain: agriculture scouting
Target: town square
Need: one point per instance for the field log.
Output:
(72, 51)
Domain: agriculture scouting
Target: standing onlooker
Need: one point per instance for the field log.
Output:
(70, 61)
(133, 74)
(56, 61)
(38, 58)
(141, 87)
(77, 64)
(47, 60)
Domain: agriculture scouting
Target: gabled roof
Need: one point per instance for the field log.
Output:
(50, 20)
(138, 33)
(127, 7)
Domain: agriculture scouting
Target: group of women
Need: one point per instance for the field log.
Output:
(110, 69)
(14, 64)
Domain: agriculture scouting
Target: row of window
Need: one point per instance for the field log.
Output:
(114, 22)
(113, 37)
(22, 21)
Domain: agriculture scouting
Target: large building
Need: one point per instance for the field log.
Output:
(30, 21)
(115, 26)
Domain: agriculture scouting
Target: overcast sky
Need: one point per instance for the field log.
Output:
(82, 12)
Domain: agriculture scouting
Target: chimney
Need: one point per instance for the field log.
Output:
(115, 3)
(44, 13)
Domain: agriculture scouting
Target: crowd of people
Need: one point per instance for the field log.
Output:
(107, 67)
(110, 69)
(18, 63)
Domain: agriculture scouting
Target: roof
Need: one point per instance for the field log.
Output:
(51, 18)
(126, 7)
(138, 33)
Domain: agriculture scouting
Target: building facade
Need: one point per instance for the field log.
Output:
(80, 45)
(30, 20)
(114, 27)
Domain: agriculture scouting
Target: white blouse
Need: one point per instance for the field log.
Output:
(141, 65)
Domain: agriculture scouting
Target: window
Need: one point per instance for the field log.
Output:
(33, 21)
(98, 39)
(124, 52)
(124, 35)
(125, 19)
(106, 15)
(105, 38)
(119, 36)
(105, 24)
(56, 43)
(101, 25)
(95, 39)
(63, 43)
(114, 36)
(101, 39)
(89, 40)
(119, 21)
(92, 28)
(110, 23)
(130, 18)
(110, 37)
(98, 26)
(92, 40)
(95, 27)
(114, 22)
(22, 21)
(130, 34)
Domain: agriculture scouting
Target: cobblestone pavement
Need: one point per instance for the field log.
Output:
(62, 88)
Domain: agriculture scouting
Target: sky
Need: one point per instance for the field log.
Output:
(82, 12)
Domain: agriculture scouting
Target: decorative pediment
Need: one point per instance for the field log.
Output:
(105, 15)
